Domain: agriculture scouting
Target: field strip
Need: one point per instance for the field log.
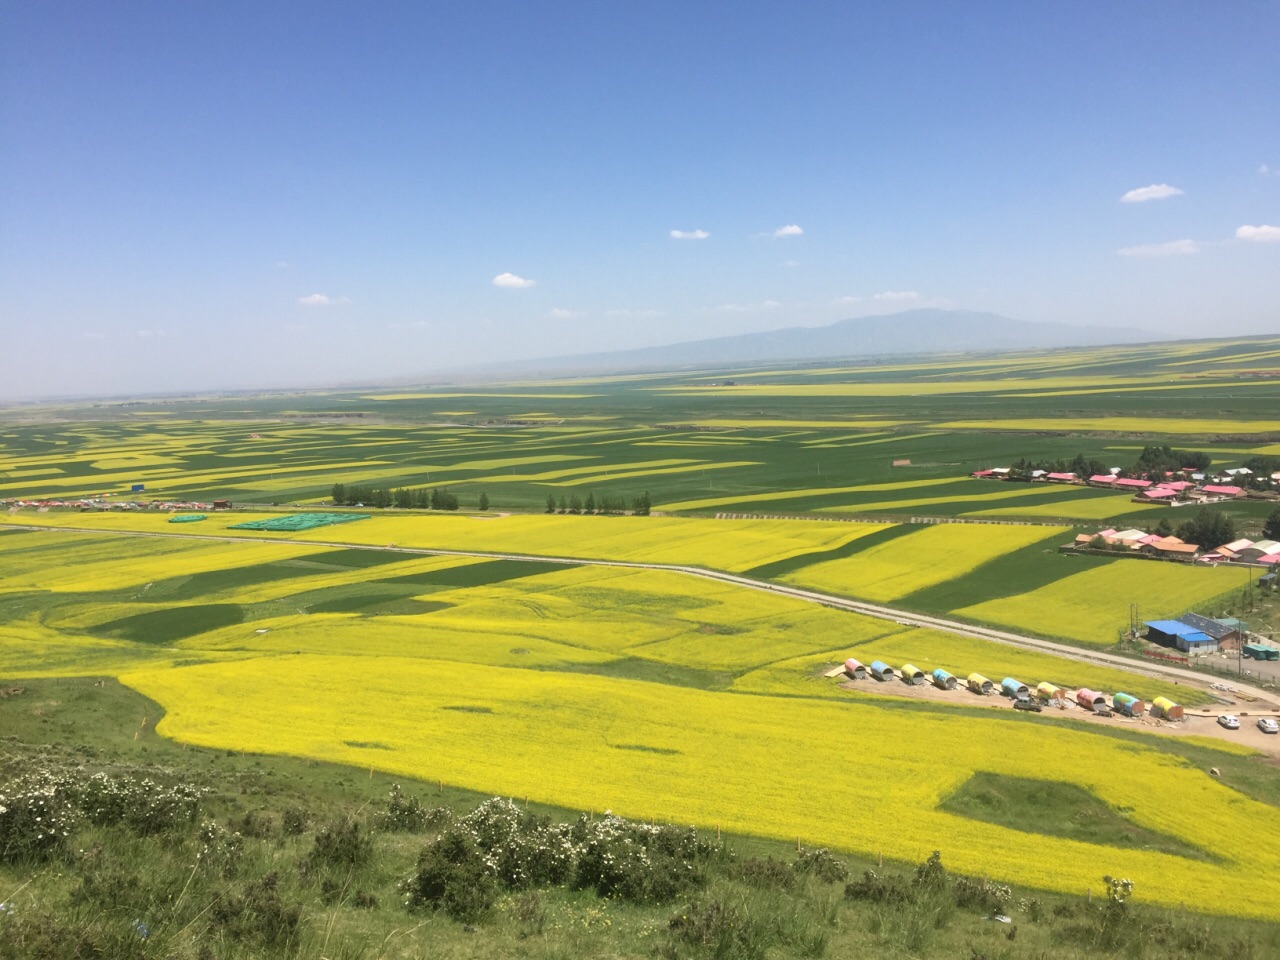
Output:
(903, 617)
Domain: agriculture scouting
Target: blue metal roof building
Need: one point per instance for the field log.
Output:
(1175, 633)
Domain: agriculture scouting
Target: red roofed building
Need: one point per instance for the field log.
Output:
(1215, 490)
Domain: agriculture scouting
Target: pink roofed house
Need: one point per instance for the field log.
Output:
(1130, 483)
(1061, 477)
(1102, 480)
(1217, 490)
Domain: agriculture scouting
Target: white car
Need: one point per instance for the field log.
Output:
(1267, 725)
(1229, 721)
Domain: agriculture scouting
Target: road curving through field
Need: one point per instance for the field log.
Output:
(879, 611)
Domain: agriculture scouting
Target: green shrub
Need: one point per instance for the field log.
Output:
(259, 914)
(763, 873)
(822, 865)
(341, 844)
(404, 813)
(452, 876)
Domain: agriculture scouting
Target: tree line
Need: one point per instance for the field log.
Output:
(1152, 464)
(606, 506)
(406, 498)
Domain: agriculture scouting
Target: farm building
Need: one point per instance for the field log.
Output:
(1218, 490)
(1260, 651)
(1166, 708)
(1130, 483)
(1170, 548)
(1232, 550)
(1175, 633)
(1259, 549)
(1102, 480)
(1059, 477)
(1227, 632)
(222, 504)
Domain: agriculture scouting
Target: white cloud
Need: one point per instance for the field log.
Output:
(791, 263)
(838, 301)
(1259, 234)
(689, 234)
(149, 334)
(511, 281)
(746, 307)
(409, 325)
(323, 300)
(790, 230)
(1172, 248)
(559, 313)
(897, 295)
(1157, 191)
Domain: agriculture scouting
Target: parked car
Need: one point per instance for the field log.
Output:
(1229, 721)
(1027, 705)
(1267, 725)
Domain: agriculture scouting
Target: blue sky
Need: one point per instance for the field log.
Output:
(203, 195)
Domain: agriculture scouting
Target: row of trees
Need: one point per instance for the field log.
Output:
(1152, 463)
(406, 498)
(605, 506)
(439, 498)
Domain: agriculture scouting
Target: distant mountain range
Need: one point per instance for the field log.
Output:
(909, 332)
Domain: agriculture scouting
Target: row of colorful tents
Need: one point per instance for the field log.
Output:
(1091, 700)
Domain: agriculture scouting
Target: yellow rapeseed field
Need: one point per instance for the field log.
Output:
(1156, 426)
(827, 774)
(68, 562)
(1091, 606)
(929, 556)
(709, 503)
(726, 545)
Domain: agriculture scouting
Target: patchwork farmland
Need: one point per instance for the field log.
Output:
(681, 667)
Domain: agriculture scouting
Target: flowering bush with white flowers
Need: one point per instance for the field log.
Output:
(499, 845)
(36, 817)
(39, 810)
